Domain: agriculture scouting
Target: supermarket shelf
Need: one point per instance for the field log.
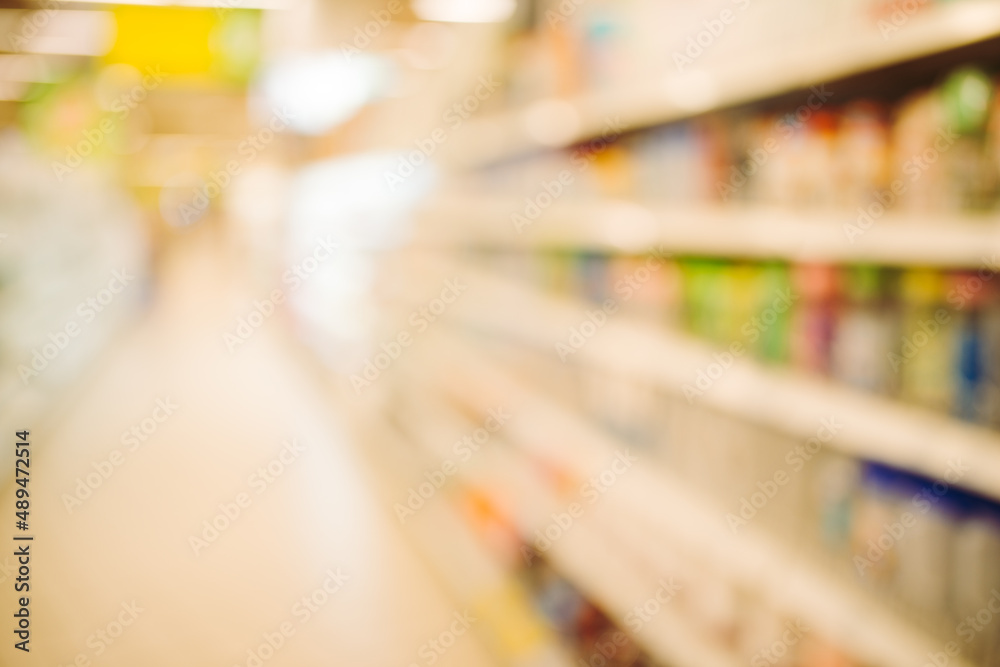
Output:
(473, 575)
(585, 555)
(756, 76)
(755, 232)
(603, 568)
(24, 407)
(784, 400)
(750, 561)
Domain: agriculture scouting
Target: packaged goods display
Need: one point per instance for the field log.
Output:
(91, 277)
(920, 335)
(935, 150)
(921, 545)
(924, 336)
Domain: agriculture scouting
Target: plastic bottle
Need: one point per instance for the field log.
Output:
(814, 319)
(862, 154)
(865, 331)
(970, 296)
(967, 97)
(925, 357)
(775, 304)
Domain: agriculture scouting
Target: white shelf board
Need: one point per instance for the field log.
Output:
(751, 232)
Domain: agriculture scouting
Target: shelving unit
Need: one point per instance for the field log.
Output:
(472, 574)
(49, 269)
(484, 348)
(508, 134)
(544, 430)
(607, 573)
(784, 400)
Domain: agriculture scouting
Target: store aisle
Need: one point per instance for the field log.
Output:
(244, 441)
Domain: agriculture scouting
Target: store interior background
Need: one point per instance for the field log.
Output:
(502, 332)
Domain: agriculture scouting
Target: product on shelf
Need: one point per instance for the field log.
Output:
(927, 542)
(926, 360)
(920, 544)
(813, 322)
(865, 332)
(817, 510)
(930, 337)
(593, 637)
(925, 336)
(936, 150)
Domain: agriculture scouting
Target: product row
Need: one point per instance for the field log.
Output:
(922, 546)
(716, 611)
(935, 151)
(924, 336)
(72, 267)
(538, 615)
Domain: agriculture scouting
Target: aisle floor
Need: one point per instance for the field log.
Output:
(122, 561)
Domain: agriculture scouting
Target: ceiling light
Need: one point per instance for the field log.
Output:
(465, 11)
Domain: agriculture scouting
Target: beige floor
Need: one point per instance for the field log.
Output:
(129, 541)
